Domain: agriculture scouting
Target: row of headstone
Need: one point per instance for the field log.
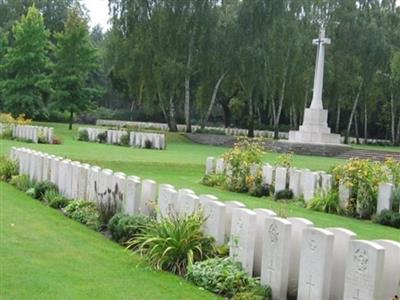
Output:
(229, 131)
(292, 256)
(31, 133)
(182, 128)
(136, 139)
(93, 133)
(304, 183)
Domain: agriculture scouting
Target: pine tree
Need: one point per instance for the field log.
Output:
(26, 67)
(75, 59)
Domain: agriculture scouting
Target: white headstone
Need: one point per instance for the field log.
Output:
(92, 181)
(385, 196)
(241, 244)
(326, 183)
(341, 245)
(187, 204)
(133, 196)
(220, 166)
(148, 197)
(344, 194)
(294, 182)
(298, 225)
(167, 198)
(391, 269)
(309, 184)
(268, 174)
(275, 256)
(75, 180)
(214, 212)
(261, 215)
(364, 271)
(230, 205)
(315, 264)
(280, 179)
(210, 165)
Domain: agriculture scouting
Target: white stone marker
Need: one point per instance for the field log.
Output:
(364, 271)
(315, 264)
(309, 184)
(219, 166)
(92, 183)
(261, 215)
(83, 181)
(341, 245)
(76, 165)
(230, 205)
(187, 203)
(210, 165)
(214, 212)
(280, 179)
(241, 244)
(268, 174)
(298, 225)
(54, 167)
(162, 186)
(391, 269)
(167, 198)
(275, 256)
(105, 185)
(120, 182)
(294, 182)
(344, 194)
(385, 196)
(133, 196)
(148, 197)
(326, 183)
(65, 177)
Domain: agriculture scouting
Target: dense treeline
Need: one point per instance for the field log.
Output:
(245, 63)
(250, 63)
(47, 58)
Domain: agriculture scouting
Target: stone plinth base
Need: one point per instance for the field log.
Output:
(314, 129)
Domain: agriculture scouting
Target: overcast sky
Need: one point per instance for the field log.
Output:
(98, 11)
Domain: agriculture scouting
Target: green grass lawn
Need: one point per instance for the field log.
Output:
(377, 148)
(183, 164)
(44, 255)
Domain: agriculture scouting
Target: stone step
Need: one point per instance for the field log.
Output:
(369, 154)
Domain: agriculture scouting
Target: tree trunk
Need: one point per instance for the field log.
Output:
(397, 142)
(165, 114)
(365, 124)
(278, 113)
(131, 109)
(71, 119)
(213, 98)
(172, 118)
(346, 138)
(337, 129)
(187, 86)
(251, 117)
(393, 119)
(356, 128)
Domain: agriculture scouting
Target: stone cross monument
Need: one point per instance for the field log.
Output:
(315, 124)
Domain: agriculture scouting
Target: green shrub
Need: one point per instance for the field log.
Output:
(124, 227)
(124, 141)
(21, 182)
(244, 154)
(84, 212)
(42, 187)
(225, 277)
(213, 179)
(108, 202)
(174, 243)
(388, 218)
(148, 144)
(396, 199)
(285, 194)
(328, 203)
(366, 202)
(7, 134)
(285, 160)
(83, 135)
(8, 168)
(30, 192)
(54, 199)
(256, 186)
(102, 137)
